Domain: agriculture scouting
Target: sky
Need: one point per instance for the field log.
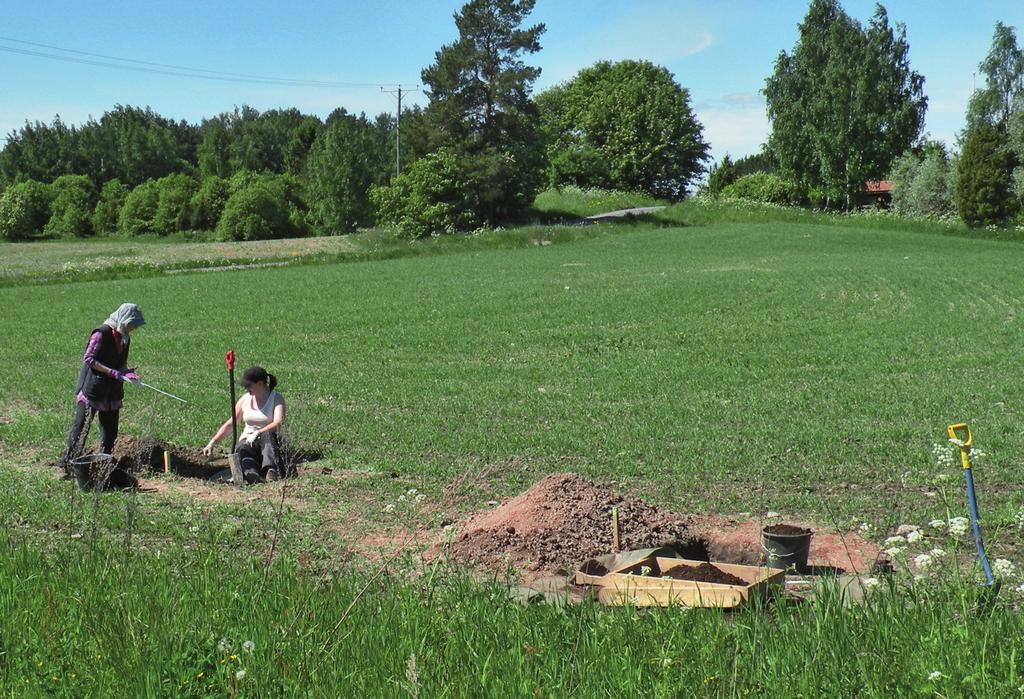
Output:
(720, 50)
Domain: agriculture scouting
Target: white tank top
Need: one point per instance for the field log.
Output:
(256, 416)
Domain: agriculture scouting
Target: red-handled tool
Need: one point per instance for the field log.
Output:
(230, 359)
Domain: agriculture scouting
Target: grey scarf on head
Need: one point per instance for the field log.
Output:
(126, 313)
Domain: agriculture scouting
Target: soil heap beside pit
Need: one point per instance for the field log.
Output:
(560, 522)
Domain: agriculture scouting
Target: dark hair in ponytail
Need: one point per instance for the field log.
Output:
(257, 374)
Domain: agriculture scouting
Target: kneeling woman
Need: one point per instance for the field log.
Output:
(262, 413)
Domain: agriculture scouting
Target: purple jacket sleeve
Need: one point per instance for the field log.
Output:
(92, 349)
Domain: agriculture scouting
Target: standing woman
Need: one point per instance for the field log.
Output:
(100, 388)
(262, 412)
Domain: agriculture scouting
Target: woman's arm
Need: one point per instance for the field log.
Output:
(225, 428)
(89, 358)
(278, 420)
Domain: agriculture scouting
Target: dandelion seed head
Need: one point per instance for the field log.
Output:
(240, 675)
(248, 646)
(224, 645)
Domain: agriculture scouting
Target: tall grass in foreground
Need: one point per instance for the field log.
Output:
(102, 619)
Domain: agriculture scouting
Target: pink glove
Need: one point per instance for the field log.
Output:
(116, 375)
(131, 376)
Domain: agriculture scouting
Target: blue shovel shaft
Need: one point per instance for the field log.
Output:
(976, 528)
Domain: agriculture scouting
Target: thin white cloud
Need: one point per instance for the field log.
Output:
(736, 131)
(662, 39)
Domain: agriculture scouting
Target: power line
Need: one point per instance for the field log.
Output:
(168, 69)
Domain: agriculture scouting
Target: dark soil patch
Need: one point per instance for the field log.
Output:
(787, 530)
(141, 455)
(705, 572)
(562, 521)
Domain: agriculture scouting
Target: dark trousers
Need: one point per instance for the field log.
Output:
(261, 454)
(108, 419)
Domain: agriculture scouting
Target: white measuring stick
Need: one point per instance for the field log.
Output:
(154, 388)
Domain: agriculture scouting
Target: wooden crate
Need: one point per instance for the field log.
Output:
(627, 586)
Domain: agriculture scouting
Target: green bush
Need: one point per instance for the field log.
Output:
(24, 210)
(983, 191)
(432, 196)
(256, 212)
(208, 202)
(138, 214)
(921, 185)
(108, 206)
(74, 197)
(586, 168)
(763, 188)
(174, 194)
(721, 176)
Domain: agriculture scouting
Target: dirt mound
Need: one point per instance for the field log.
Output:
(139, 455)
(560, 522)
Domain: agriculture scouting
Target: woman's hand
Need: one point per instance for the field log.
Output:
(208, 449)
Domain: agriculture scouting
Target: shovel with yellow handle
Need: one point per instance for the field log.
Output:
(960, 435)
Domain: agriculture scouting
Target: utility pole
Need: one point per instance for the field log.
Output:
(398, 126)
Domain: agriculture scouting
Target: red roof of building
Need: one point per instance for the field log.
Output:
(879, 186)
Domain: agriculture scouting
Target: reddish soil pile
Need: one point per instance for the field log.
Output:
(562, 521)
(140, 455)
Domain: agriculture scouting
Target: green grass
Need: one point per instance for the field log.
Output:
(800, 366)
(89, 619)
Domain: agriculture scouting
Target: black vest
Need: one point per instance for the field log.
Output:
(99, 387)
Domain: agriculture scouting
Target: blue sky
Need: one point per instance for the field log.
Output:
(721, 50)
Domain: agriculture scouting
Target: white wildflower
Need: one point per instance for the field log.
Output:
(866, 529)
(895, 541)
(935, 675)
(937, 524)
(1019, 518)
(389, 508)
(869, 583)
(937, 553)
(411, 492)
(914, 536)
(923, 561)
(958, 526)
(906, 529)
(771, 515)
(240, 675)
(645, 570)
(1004, 568)
(421, 497)
(224, 645)
(893, 551)
(248, 646)
(1020, 588)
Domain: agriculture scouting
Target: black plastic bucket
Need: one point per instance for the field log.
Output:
(786, 546)
(92, 470)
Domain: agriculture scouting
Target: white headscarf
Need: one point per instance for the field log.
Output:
(126, 313)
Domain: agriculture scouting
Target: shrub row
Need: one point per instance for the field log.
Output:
(246, 207)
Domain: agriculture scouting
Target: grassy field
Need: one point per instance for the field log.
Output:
(800, 366)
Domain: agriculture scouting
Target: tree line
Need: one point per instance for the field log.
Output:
(846, 108)
(475, 155)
